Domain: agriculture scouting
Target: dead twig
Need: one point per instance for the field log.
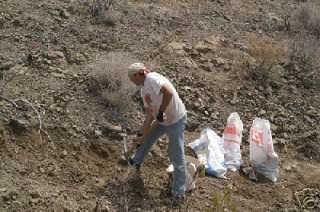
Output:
(25, 101)
(125, 184)
(10, 101)
(41, 130)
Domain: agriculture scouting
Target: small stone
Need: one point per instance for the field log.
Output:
(219, 61)
(64, 14)
(18, 126)
(64, 153)
(98, 133)
(54, 55)
(6, 66)
(41, 170)
(3, 189)
(109, 129)
(35, 194)
(176, 45)
(58, 75)
(202, 47)
(34, 201)
(287, 168)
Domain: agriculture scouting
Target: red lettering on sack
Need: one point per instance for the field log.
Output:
(230, 130)
(257, 136)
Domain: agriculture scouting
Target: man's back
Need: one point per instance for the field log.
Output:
(152, 98)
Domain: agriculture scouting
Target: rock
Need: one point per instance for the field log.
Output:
(3, 190)
(241, 46)
(308, 83)
(276, 21)
(192, 125)
(189, 63)
(176, 47)
(219, 61)
(6, 65)
(308, 119)
(103, 205)
(98, 133)
(51, 171)
(249, 171)
(109, 21)
(64, 153)
(51, 55)
(41, 170)
(35, 194)
(202, 47)
(18, 126)
(100, 148)
(214, 41)
(34, 201)
(78, 58)
(207, 66)
(110, 130)
(58, 75)
(64, 14)
(10, 195)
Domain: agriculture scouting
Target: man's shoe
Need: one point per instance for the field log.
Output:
(178, 200)
(133, 164)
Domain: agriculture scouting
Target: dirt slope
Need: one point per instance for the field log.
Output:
(58, 58)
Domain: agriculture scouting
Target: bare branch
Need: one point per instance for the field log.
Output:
(10, 101)
(25, 101)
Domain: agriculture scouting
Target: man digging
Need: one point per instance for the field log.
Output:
(165, 114)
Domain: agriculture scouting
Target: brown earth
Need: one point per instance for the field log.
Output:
(63, 61)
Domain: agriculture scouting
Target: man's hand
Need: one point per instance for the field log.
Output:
(160, 116)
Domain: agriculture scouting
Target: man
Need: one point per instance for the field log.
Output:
(165, 114)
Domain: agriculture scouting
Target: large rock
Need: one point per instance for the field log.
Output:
(209, 44)
(176, 47)
(18, 126)
(110, 130)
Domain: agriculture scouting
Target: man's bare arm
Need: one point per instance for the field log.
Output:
(147, 122)
(167, 96)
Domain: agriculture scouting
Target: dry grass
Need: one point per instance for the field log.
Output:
(266, 54)
(304, 60)
(307, 17)
(109, 80)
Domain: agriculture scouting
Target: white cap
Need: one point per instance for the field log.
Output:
(135, 68)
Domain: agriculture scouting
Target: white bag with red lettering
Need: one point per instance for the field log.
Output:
(232, 137)
(262, 155)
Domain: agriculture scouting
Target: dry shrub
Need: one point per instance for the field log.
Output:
(267, 54)
(109, 80)
(307, 16)
(304, 62)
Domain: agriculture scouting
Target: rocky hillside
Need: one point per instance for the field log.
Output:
(66, 102)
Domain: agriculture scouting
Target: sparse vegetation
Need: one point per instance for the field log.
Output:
(303, 60)
(223, 202)
(307, 17)
(72, 66)
(110, 81)
(266, 54)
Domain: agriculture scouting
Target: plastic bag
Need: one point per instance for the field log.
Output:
(209, 149)
(191, 174)
(262, 155)
(232, 137)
